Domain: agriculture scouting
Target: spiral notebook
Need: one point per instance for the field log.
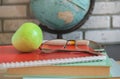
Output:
(11, 58)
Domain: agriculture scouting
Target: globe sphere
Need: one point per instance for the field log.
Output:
(60, 14)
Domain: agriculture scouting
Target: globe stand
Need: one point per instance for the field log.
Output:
(59, 36)
(61, 32)
(44, 28)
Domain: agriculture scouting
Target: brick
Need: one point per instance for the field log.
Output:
(5, 38)
(9, 11)
(15, 1)
(0, 26)
(104, 36)
(14, 24)
(73, 35)
(116, 21)
(68, 36)
(49, 36)
(96, 22)
(106, 7)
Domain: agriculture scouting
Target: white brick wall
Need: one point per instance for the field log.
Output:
(106, 36)
(106, 7)
(116, 21)
(48, 36)
(73, 35)
(96, 22)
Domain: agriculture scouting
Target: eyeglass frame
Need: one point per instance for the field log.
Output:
(97, 48)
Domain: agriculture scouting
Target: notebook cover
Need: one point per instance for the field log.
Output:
(8, 54)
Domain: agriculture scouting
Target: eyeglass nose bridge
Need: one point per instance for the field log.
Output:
(70, 43)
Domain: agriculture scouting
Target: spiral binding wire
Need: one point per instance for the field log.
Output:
(52, 62)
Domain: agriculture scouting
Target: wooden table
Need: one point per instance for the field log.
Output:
(2, 77)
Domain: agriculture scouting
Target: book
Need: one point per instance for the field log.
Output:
(98, 69)
(114, 71)
(11, 58)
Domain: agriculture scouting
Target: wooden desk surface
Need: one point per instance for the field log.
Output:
(1, 77)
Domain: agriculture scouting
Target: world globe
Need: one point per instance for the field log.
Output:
(60, 15)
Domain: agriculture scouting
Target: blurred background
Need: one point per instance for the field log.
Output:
(103, 25)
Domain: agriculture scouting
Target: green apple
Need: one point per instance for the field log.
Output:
(27, 38)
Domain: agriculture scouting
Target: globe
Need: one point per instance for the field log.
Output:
(60, 15)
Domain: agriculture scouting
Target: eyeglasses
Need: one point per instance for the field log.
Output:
(76, 46)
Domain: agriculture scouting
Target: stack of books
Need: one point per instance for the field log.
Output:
(57, 65)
